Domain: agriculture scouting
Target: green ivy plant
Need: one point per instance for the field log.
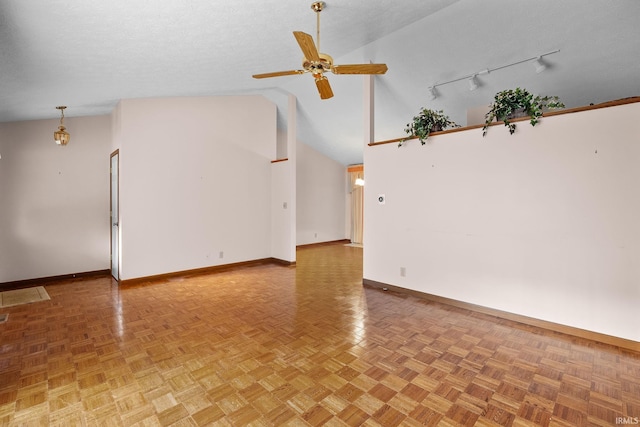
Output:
(511, 101)
(426, 122)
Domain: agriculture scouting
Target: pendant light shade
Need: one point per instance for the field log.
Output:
(61, 136)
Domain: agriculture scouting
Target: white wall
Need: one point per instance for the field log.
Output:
(195, 181)
(54, 201)
(283, 211)
(283, 186)
(320, 193)
(542, 223)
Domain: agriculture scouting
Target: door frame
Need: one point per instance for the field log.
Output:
(111, 223)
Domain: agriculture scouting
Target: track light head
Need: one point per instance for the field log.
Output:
(539, 64)
(433, 94)
(473, 82)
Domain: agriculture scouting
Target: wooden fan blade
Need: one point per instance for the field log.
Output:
(360, 69)
(307, 45)
(324, 88)
(278, 74)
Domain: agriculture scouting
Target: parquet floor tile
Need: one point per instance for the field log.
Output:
(304, 346)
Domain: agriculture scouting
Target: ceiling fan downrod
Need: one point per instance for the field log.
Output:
(317, 7)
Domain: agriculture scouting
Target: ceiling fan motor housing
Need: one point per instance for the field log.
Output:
(325, 64)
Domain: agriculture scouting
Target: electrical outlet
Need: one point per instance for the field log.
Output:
(403, 272)
(221, 254)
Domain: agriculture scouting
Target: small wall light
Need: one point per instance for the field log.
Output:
(61, 136)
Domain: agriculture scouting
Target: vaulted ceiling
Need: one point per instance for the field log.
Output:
(90, 54)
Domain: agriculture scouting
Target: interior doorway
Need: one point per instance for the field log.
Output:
(356, 188)
(115, 214)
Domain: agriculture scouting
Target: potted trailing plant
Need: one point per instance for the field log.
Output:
(517, 102)
(426, 122)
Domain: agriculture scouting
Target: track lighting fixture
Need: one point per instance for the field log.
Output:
(61, 136)
(472, 79)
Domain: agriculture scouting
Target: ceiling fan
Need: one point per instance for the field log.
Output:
(318, 63)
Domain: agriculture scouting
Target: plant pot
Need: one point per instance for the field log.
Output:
(436, 128)
(519, 112)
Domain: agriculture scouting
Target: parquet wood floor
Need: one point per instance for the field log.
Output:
(304, 346)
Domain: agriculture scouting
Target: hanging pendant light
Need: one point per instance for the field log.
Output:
(61, 136)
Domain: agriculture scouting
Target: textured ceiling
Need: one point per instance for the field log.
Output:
(89, 54)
